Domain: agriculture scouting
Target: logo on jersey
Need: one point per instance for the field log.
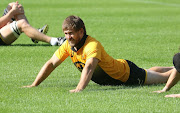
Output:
(79, 65)
(72, 54)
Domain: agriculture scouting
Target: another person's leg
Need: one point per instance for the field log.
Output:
(12, 31)
(7, 34)
(32, 32)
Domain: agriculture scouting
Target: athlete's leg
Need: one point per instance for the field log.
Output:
(7, 34)
(22, 25)
(161, 69)
(156, 77)
(6, 31)
(31, 32)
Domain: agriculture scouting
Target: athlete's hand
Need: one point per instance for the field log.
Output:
(75, 90)
(163, 90)
(9, 7)
(159, 91)
(21, 9)
(17, 9)
(29, 86)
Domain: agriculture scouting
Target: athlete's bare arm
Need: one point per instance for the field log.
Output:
(86, 74)
(46, 70)
(173, 79)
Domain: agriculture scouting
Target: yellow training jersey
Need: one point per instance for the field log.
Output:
(91, 48)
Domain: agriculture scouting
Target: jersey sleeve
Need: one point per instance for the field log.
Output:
(62, 51)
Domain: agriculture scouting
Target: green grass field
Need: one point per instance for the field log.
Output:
(143, 31)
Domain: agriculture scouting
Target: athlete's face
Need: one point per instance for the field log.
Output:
(73, 37)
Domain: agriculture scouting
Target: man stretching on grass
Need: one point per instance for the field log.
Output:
(14, 22)
(89, 56)
(174, 77)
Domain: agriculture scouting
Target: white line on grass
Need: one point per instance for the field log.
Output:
(159, 3)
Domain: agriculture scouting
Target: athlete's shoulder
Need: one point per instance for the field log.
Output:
(89, 38)
(92, 44)
(91, 41)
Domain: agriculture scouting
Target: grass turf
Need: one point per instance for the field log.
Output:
(143, 31)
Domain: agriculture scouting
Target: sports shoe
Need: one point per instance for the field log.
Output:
(43, 30)
(60, 41)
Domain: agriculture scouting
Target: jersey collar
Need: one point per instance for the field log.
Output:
(80, 44)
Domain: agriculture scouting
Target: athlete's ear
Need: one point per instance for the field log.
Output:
(81, 31)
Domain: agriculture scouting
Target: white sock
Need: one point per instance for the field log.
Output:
(53, 41)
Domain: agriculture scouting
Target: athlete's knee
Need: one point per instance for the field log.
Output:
(22, 24)
(176, 61)
(156, 68)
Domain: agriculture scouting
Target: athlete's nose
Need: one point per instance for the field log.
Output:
(69, 36)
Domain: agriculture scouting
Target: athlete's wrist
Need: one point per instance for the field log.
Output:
(166, 88)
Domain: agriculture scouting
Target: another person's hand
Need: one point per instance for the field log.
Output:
(173, 95)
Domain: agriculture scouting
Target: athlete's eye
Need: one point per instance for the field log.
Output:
(71, 33)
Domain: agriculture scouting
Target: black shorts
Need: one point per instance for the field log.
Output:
(1, 41)
(137, 76)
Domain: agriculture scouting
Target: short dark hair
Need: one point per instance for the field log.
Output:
(73, 22)
(176, 61)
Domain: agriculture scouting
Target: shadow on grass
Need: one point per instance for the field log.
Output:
(96, 87)
(30, 45)
(110, 87)
(120, 87)
(27, 45)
